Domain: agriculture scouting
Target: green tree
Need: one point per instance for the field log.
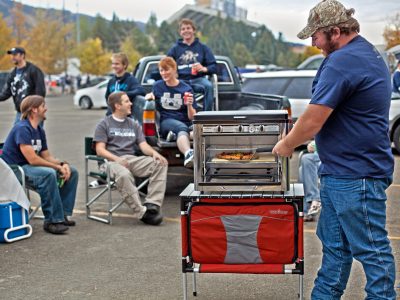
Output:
(264, 51)
(127, 46)
(167, 37)
(152, 28)
(6, 42)
(94, 59)
(219, 40)
(142, 42)
(241, 55)
(101, 30)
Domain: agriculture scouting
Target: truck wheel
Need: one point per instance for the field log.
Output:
(85, 102)
(396, 138)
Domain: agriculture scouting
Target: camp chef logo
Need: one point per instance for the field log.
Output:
(278, 212)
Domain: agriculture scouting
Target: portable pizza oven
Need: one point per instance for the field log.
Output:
(233, 151)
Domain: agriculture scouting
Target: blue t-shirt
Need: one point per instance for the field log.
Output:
(23, 134)
(354, 142)
(169, 100)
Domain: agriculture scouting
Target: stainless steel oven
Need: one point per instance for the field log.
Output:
(233, 151)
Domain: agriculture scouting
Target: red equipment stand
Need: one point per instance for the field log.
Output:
(242, 232)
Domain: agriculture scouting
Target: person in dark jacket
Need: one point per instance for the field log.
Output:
(26, 79)
(195, 60)
(122, 81)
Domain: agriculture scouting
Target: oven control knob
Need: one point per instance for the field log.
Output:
(252, 128)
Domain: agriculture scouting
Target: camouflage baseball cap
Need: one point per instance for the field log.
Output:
(325, 13)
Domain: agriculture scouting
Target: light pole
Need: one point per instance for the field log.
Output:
(78, 27)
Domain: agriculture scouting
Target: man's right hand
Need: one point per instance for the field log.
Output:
(122, 161)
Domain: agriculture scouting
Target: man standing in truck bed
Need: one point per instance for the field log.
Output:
(195, 60)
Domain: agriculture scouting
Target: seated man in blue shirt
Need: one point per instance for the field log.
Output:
(195, 60)
(55, 180)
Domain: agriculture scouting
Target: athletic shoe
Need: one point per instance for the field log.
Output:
(189, 160)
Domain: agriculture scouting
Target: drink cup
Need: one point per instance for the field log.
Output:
(194, 69)
(185, 97)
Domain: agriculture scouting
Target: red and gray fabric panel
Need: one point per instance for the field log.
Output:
(252, 233)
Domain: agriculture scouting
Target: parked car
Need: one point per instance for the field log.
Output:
(311, 63)
(92, 97)
(394, 121)
(294, 84)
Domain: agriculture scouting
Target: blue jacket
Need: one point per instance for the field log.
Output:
(127, 83)
(187, 55)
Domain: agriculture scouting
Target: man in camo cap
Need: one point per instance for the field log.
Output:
(348, 115)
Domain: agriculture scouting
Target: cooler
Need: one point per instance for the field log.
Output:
(13, 222)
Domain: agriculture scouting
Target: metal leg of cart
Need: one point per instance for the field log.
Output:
(184, 280)
(194, 284)
(301, 279)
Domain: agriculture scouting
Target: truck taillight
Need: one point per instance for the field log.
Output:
(149, 122)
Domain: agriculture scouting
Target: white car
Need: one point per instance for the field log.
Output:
(294, 84)
(92, 97)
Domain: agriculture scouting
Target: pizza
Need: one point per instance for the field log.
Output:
(235, 155)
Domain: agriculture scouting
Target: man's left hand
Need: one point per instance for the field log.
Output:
(66, 171)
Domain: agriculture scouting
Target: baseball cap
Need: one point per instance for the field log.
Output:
(16, 50)
(325, 13)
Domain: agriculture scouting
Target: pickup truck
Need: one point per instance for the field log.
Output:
(227, 96)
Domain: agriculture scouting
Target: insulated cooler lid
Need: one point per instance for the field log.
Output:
(241, 116)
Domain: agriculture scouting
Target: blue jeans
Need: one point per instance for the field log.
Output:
(308, 174)
(56, 202)
(352, 225)
(208, 91)
(176, 126)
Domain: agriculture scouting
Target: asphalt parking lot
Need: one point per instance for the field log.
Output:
(129, 260)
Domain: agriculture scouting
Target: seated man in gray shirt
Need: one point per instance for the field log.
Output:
(116, 137)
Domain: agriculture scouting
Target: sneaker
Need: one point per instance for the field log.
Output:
(315, 208)
(189, 160)
(95, 184)
(309, 218)
(55, 228)
(151, 218)
(68, 222)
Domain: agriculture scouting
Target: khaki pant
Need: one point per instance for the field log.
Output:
(139, 166)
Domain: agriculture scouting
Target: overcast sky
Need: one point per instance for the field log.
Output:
(286, 16)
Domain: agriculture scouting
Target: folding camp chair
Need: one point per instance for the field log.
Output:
(90, 172)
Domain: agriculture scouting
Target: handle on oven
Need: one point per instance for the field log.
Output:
(240, 117)
(265, 149)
